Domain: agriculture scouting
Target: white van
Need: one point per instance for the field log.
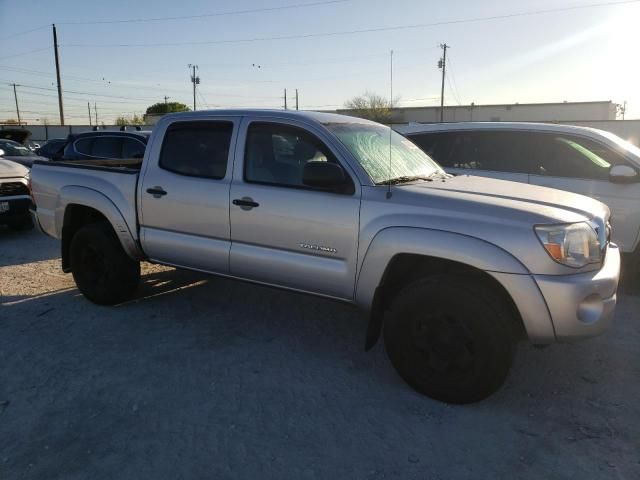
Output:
(584, 160)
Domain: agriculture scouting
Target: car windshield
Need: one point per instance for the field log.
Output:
(383, 153)
(14, 149)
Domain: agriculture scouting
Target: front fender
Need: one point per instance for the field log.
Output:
(471, 251)
(88, 197)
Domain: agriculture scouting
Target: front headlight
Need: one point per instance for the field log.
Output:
(574, 245)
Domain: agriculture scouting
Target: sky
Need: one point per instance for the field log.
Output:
(123, 65)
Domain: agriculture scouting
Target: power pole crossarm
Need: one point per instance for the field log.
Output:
(55, 50)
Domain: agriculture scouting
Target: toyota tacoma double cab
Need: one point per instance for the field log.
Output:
(452, 271)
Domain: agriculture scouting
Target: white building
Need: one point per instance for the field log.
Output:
(518, 112)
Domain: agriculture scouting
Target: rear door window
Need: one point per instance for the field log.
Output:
(436, 145)
(107, 147)
(198, 149)
(132, 148)
(500, 151)
(83, 146)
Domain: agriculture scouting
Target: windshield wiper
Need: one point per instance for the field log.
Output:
(405, 179)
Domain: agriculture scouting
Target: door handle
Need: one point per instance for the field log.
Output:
(157, 192)
(245, 203)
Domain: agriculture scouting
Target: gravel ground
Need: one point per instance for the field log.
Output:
(200, 377)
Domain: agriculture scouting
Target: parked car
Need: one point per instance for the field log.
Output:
(583, 160)
(14, 195)
(52, 149)
(18, 153)
(453, 270)
(105, 144)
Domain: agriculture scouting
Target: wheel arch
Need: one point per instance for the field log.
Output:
(81, 206)
(397, 256)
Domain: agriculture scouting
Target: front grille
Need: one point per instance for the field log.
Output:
(13, 188)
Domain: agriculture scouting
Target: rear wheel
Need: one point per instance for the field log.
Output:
(450, 338)
(630, 272)
(102, 270)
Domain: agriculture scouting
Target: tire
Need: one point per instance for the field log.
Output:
(22, 224)
(451, 338)
(102, 270)
(630, 273)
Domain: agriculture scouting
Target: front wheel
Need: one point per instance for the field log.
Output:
(450, 338)
(102, 270)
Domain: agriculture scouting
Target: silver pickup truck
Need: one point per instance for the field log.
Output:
(452, 270)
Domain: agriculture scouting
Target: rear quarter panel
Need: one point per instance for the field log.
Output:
(55, 186)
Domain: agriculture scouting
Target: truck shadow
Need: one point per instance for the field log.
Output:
(20, 247)
(196, 359)
(213, 314)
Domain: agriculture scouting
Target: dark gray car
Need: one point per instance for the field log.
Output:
(18, 153)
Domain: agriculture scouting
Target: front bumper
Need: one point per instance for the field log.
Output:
(583, 304)
(18, 209)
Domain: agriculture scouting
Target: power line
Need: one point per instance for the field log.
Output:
(454, 87)
(207, 15)
(85, 93)
(353, 32)
(26, 53)
(24, 33)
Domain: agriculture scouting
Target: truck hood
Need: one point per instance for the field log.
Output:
(517, 201)
(9, 169)
(26, 161)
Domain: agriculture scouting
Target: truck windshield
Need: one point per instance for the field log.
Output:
(384, 154)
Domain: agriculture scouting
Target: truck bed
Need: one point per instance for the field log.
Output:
(56, 184)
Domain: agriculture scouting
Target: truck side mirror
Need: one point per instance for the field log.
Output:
(623, 174)
(323, 175)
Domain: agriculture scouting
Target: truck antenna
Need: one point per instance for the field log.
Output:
(390, 120)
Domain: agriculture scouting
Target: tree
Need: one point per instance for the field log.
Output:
(370, 106)
(161, 108)
(135, 120)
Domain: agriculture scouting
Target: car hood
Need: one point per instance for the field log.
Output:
(9, 169)
(15, 134)
(546, 203)
(501, 202)
(499, 212)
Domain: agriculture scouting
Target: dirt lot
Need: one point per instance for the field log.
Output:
(207, 378)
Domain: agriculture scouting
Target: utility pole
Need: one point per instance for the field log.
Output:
(285, 98)
(442, 63)
(165, 99)
(296, 99)
(623, 110)
(89, 110)
(55, 50)
(15, 95)
(196, 81)
(95, 110)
